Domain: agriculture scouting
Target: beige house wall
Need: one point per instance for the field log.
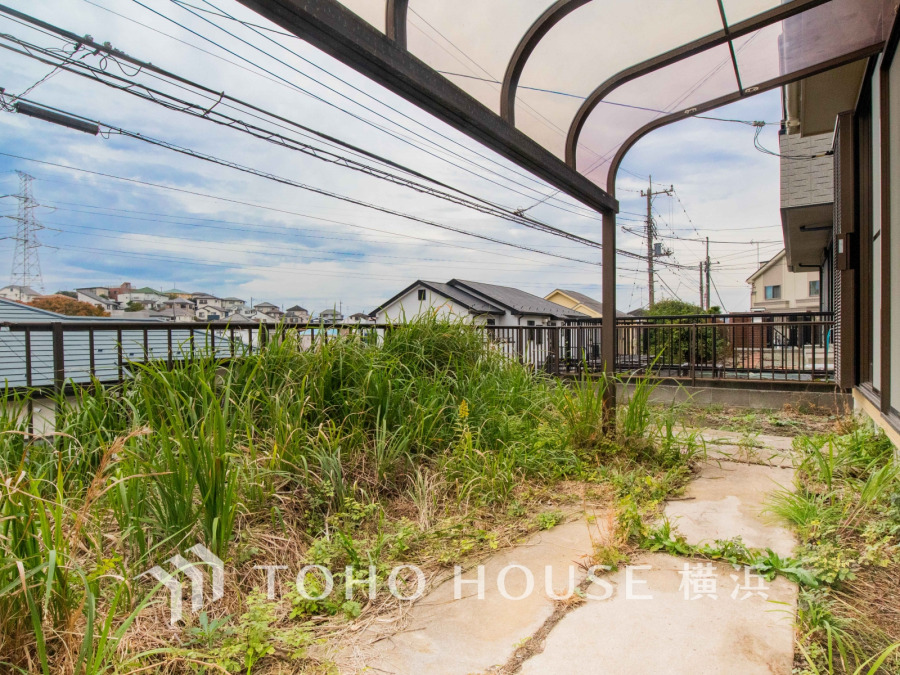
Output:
(794, 288)
(561, 298)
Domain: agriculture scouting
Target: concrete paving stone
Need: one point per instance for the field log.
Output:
(672, 635)
(444, 635)
(728, 500)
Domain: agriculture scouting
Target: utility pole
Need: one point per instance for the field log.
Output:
(26, 266)
(707, 273)
(701, 284)
(651, 250)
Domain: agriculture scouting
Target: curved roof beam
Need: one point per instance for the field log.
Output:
(551, 16)
(395, 21)
(729, 98)
(728, 33)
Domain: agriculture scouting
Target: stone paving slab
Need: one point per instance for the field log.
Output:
(669, 634)
(672, 635)
(445, 635)
(728, 500)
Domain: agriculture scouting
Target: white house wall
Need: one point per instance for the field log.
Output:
(409, 307)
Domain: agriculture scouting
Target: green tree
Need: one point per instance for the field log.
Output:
(133, 306)
(674, 344)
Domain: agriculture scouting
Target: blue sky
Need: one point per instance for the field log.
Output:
(289, 246)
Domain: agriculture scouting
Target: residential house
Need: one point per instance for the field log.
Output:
(330, 316)
(851, 235)
(202, 299)
(237, 318)
(488, 304)
(774, 288)
(296, 314)
(579, 302)
(210, 312)
(177, 303)
(257, 316)
(177, 293)
(102, 291)
(232, 304)
(146, 296)
(270, 310)
(175, 313)
(114, 291)
(361, 317)
(19, 293)
(92, 298)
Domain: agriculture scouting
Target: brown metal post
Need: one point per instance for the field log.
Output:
(608, 325)
(29, 381)
(92, 359)
(59, 358)
(119, 355)
(693, 358)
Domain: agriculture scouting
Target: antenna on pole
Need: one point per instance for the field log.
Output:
(26, 267)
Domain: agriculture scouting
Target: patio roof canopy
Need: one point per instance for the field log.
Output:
(565, 88)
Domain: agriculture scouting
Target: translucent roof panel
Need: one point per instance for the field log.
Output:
(373, 11)
(471, 42)
(703, 77)
(741, 10)
(591, 45)
(809, 39)
(585, 48)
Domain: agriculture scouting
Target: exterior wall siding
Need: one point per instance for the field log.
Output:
(806, 182)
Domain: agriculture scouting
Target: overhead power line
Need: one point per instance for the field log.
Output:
(268, 54)
(309, 188)
(210, 113)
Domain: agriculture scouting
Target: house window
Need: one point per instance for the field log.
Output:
(773, 292)
(491, 322)
(421, 294)
(814, 288)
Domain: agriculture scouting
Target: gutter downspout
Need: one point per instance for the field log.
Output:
(792, 107)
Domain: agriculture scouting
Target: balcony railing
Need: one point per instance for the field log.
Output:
(694, 349)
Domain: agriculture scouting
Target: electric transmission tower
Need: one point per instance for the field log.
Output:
(26, 266)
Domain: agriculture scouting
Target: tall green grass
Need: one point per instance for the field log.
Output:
(429, 412)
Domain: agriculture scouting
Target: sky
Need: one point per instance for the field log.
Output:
(179, 221)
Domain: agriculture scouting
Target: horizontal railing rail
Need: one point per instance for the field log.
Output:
(58, 354)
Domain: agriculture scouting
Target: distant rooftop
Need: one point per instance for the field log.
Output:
(518, 301)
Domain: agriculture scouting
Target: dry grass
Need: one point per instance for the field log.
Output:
(788, 421)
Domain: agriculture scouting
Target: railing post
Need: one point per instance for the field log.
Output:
(59, 358)
(29, 381)
(554, 347)
(693, 359)
(120, 355)
(92, 367)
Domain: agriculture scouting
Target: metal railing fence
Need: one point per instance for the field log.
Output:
(53, 355)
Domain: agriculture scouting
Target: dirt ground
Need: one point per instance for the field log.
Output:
(787, 421)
